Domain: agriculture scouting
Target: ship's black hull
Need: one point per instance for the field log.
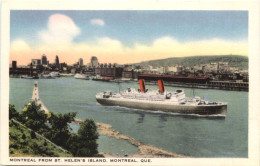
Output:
(166, 107)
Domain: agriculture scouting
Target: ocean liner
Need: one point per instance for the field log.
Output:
(174, 102)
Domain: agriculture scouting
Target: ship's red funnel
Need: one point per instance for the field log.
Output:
(161, 85)
(142, 85)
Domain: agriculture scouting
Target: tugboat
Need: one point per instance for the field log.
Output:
(174, 102)
(100, 78)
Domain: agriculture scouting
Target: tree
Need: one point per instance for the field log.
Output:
(33, 117)
(74, 144)
(23, 136)
(87, 136)
(60, 129)
(33, 135)
(13, 113)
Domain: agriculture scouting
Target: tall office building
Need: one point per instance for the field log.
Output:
(14, 64)
(80, 62)
(57, 60)
(36, 63)
(94, 61)
(44, 60)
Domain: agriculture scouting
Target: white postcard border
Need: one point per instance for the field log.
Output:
(254, 70)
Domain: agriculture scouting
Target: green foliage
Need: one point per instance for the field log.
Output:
(33, 117)
(13, 113)
(59, 132)
(23, 137)
(85, 143)
(11, 151)
(74, 144)
(21, 144)
(25, 150)
(88, 130)
(56, 128)
(84, 152)
(33, 135)
(234, 60)
(59, 121)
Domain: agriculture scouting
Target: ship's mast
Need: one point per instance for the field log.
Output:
(193, 93)
(118, 82)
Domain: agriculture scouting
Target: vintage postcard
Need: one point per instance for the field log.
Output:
(129, 83)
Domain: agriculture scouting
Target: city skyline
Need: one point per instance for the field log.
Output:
(125, 36)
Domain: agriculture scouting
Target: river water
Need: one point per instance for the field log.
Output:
(194, 136)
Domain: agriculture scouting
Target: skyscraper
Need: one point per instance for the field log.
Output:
(57, 60)
(80, 62)
(94, 61)
(44, 60)
(14, 64)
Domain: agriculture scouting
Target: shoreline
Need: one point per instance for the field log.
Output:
(145, 150)
(215, 85)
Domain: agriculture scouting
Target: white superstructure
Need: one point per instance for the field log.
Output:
(175, 102)
(81, 76)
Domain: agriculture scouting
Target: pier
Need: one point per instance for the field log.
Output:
(220, 85)
(195, 82)
(37, 100)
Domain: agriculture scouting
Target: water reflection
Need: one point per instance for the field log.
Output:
(162, 121)
(141, 118)
(162, 117)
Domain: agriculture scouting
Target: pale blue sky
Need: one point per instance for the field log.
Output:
(121, 36)
(137, 26)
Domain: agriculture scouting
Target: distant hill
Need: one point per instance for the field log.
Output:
(234, 60)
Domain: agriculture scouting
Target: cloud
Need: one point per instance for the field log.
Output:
(61, 30)
(21, 52)
(109, 50)
(167, 47)
(99, 22)
(113, 51)
(106, 42)
(20, 45)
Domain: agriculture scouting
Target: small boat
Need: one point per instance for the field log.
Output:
(66, 75)
(55, 74)
(30, 77)
(47, 76)
(81, 76)
(161, 100)
(100, 78)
